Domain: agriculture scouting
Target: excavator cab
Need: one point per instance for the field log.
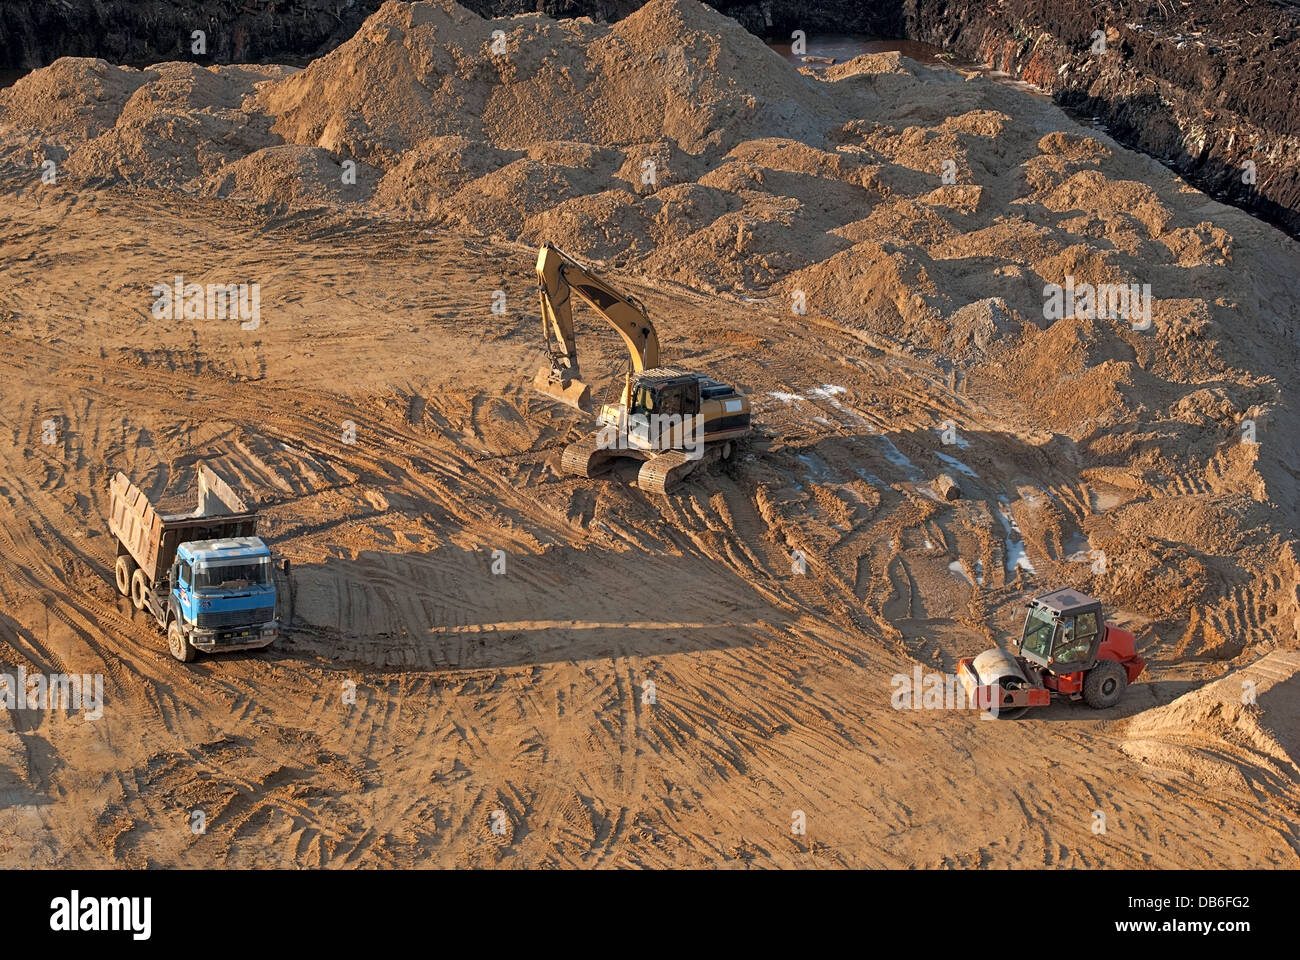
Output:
(663, 407)
(679, 396)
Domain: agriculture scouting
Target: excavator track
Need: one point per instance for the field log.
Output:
(585, 458)
(665, 472)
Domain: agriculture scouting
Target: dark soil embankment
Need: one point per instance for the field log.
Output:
(1209, 89)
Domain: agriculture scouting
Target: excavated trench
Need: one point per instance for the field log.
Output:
(1209, 91)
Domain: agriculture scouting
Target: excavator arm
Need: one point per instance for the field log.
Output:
(559, 279)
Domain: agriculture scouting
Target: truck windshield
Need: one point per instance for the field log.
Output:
(1038, 633)
(232, 576)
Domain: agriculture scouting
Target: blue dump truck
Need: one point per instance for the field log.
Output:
(202, 573)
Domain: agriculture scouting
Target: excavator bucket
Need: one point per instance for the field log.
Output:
(573, 392)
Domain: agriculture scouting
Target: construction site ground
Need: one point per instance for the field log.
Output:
(636, 680)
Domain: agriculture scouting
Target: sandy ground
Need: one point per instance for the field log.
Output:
(527, 692)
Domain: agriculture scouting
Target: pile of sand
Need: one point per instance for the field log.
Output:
(422, 70)
(1242, 727)
(172, 125)
(292, 176)
(445, 119)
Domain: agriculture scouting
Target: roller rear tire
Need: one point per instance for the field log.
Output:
(1104, 685)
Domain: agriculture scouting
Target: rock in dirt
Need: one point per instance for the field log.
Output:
(946, 487)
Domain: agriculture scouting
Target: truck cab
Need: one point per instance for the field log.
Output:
(222, 597)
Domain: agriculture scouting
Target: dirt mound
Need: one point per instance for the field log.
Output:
(71, 99)
(391, 86)
(877, 287)
(485, 123)
(868, 64)
(1234, 105)
(1242, 728)
(167, 126)
(435, 170)
(421, 70)
(978, 329)
(294, 177)
(600, 226)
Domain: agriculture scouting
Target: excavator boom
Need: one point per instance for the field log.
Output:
(559, 279)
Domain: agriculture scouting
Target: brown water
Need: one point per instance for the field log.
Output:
(841, 48)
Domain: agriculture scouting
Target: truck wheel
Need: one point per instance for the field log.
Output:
(122, 574)
(1104, 685)
(180, 647)
(138, 589)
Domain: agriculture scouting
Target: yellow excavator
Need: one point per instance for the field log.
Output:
(675, 421)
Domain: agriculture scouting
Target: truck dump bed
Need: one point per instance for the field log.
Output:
(151, 537)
